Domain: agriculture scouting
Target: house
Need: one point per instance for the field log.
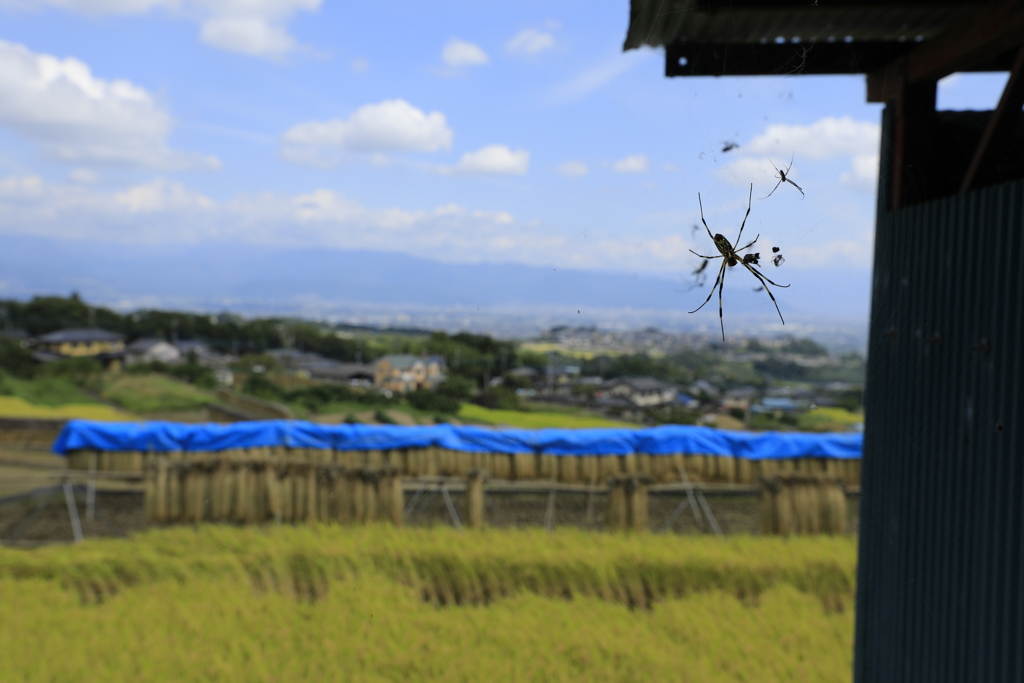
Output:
(106, 347)
(643, 392)
(151, 350)
(704, 389)
(402, 373)
(739, 398)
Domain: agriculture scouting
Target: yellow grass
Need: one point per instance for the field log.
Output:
(534, 419)
(321, 603)
(154, 393)
(840, 415)
(12, 406)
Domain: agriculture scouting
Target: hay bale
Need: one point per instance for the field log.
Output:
(637, 490)
(569, 469)
(104, 464)
(174, 491)
(727, 469)
(272, 474)
(161, 492)
(588, 469)
(300, 496)
(694, 463)
(607, 466)
(431, 465)
(149, 496)
(502, 464)
(643, 463)
(744, 471)
(833, 509)
(463, 462)
(660, 468)
(358, 496)
(193, 491)
(342, 508)
(616, 514)
(371, 496)
(627, 463)
(548, 466)
(375, 459)
(802, 504)
(769, 468)
(312, 512)
(524, 466)
(397, 498)
(475, 499)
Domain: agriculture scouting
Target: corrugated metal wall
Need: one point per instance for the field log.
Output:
(940, 581)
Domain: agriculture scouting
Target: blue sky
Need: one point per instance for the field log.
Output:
(483, 132)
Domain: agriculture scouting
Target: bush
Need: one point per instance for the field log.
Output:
(383, 418)
(261, 387)
(499, 398)
(15, 359)
(457, 387)
(429, 401)
(77, 370)
(738, 413)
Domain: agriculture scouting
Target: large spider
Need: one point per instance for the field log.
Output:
(783, 179)
(731, 257)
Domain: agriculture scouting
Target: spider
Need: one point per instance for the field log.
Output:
(783, 179)
(731, 257)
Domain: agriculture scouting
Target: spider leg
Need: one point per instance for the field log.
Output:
(748, 246)
(702, 255)
(721, 321)
(721, 277)
(702, 218)
(773, 190)
(759, 273)
(796, 186)
(749, 197)
(793, 156)
(755, 274)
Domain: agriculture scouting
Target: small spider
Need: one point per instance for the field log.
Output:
(729, 146)
(731, 257)
(783, 179)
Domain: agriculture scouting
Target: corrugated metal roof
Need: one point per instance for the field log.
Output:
(711, 38)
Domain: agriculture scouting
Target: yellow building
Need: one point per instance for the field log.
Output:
(107, 347)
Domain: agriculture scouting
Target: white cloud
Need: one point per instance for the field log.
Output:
(460, 53)
(160, 195)
(530, 42)
(359, 65)
(597, 77)
(864, 173)
(573, 169)
(637, 163)
(491, 160)
(388, 126)
(77, 117)
(251, 27)
(824, 139)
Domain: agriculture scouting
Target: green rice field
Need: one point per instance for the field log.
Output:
(379, 604)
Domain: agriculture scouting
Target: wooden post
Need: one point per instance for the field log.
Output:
(616, 512)
(90, 492)
(475, 499)
(637, 492)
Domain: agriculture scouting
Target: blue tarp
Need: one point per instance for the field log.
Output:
(170, 436)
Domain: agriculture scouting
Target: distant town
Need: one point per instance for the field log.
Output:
(227, 368)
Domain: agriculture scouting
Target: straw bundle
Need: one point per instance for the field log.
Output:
(312, 512)
(370, 500)
(149, 487)
(548, 466)
(638, 503)
(524, 466)
(342, 495)
(727, 469)
(324, 494)
(627, 463)
(355, 478)
(607, 466)
(802, 504)
(105, 464)
(397, 498)
(744, 471)
(588, 469)
(616, 516)
(568, 469)
(694, 463)
(769, 468)
(660, 468)
(174, 487)
(161, 504)
(643, 463)
(502, 464)
(475, 499)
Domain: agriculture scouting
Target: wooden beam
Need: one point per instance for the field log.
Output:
(915, 111)
(1000, 125)
(994, 29)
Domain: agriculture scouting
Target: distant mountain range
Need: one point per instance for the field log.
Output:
(379, 286)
